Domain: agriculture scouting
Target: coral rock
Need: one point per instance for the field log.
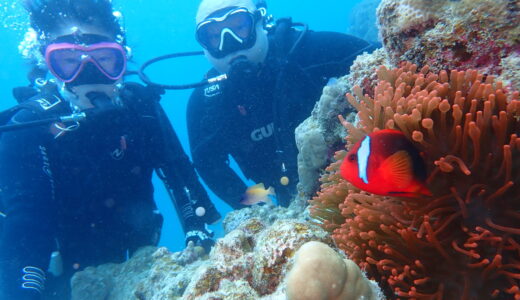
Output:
(319, 136)
(267, 213)
(320, 273)
(255, 254)
(150, 274)
(250, 262)
(446, 34)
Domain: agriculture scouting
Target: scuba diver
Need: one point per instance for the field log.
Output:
(76, 177)
(275, 75)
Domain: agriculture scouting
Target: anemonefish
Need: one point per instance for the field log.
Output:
(386, 163)
(256, 194)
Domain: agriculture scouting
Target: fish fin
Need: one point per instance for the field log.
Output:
(270, 191)
(258, 186)
(425, 191)
(420, 193)
(398, 168)
(401, 194)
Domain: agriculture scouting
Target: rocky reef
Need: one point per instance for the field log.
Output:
(320, 135)
(267, 213)
(250, 262)
(446, 35)
(152, 273)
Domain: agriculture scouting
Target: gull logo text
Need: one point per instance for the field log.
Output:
(263, 132)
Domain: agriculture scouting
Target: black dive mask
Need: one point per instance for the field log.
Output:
(231, 32)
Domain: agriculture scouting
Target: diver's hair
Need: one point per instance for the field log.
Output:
(48, 16)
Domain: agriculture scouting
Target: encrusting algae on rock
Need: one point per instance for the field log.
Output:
(446, 34)
(250, 262)
(462, 243)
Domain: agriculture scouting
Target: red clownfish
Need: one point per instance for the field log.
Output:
(386, 163)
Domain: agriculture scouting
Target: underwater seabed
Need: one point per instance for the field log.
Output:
(462, 111)
(267, 253)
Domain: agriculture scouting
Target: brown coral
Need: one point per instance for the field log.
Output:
(463, 243)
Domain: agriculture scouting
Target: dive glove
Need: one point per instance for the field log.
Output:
(202, 238)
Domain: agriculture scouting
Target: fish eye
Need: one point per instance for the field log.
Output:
(352, 157)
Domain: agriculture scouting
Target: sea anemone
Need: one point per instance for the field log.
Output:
(464, 241)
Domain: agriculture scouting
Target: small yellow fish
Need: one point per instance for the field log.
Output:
(256, 194)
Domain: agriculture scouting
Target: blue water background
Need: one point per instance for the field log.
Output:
(157, 27)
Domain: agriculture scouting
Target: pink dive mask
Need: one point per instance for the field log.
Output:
(67, 60)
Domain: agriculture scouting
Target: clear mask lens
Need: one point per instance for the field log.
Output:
(67, 61)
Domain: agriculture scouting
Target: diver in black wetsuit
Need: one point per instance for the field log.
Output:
(82, 190)
(275, 76)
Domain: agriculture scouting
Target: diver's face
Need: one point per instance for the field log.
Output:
(83, 60)
(84, 55)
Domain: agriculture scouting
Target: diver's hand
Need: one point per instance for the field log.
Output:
(100, 100)
(103, 108)
(154, 92)
(201, 238)
(135, 90)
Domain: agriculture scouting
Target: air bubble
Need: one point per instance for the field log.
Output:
(13, 16)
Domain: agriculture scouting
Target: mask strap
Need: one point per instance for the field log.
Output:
(262, 11)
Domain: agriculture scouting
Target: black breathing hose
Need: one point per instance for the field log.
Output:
(77, 117)
(23, 125)
(147, 80)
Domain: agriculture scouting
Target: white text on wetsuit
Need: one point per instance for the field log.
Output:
(263, 132)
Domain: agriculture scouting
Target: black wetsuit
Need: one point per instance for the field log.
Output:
(86, 193)
(253, 119)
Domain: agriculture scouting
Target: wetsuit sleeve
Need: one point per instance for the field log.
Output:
(329, 54)
(26, 192)
(180, 177)
(172, 164)
(209, 149)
